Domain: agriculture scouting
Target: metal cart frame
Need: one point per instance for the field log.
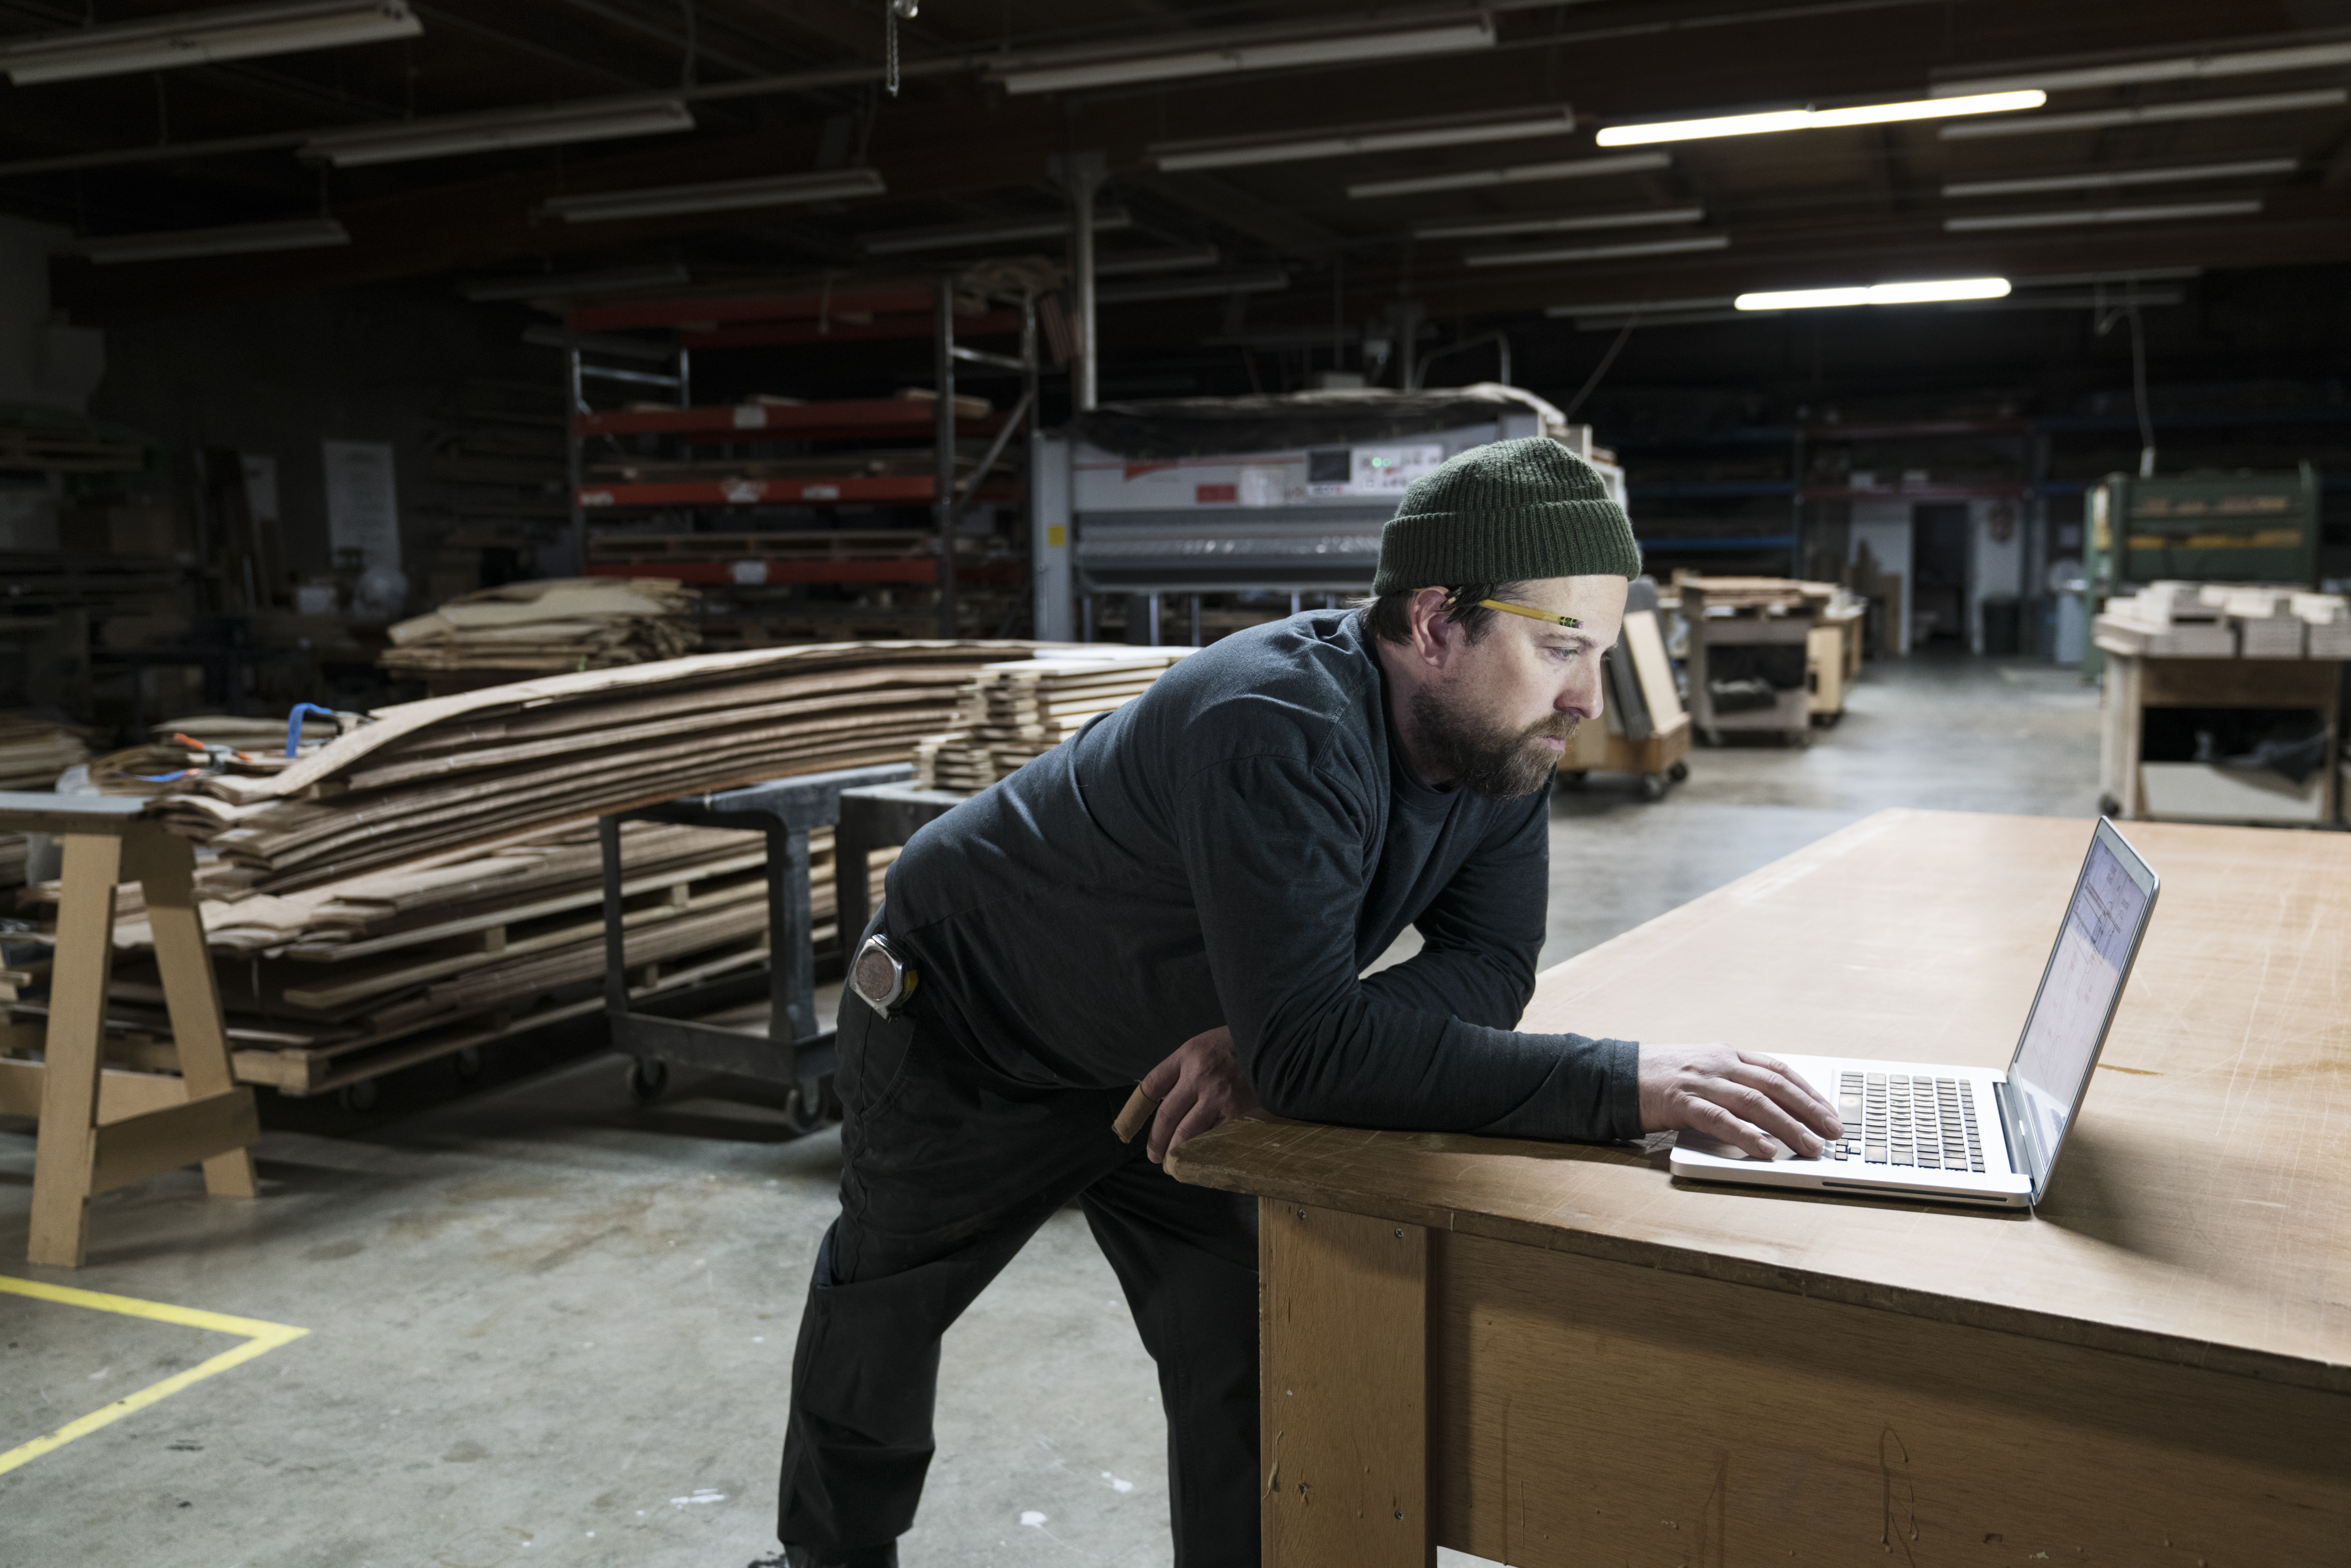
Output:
(662, 1029)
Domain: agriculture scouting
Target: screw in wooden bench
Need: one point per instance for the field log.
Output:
(1399, 1237)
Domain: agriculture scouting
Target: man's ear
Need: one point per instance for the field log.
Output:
(1434, 638)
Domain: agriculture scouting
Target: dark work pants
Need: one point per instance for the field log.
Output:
(948, 1168)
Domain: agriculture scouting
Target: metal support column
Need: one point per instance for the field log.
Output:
(1081, 174)
(942, 503)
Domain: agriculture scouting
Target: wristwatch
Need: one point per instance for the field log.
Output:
(880, 977)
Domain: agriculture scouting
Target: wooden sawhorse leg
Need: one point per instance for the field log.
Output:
(100, 1131)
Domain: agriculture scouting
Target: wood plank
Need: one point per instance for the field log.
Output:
(1592, 1412)
(1653, 667)
(120, 1094)
(165, 869)
(1343, 1389)
(191, 1133)
(2199, 1218)
(38, 811)
(65, 1147)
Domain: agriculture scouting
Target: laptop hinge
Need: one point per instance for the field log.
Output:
(2008, 1136)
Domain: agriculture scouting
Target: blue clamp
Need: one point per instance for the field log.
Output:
(294, 725)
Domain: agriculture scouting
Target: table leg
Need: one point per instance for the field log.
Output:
(65, 1147)
(165, 867)
(1343, 1389)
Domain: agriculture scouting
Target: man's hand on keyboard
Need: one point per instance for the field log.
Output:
(1737, 1097)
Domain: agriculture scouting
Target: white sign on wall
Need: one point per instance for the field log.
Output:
(362, 507)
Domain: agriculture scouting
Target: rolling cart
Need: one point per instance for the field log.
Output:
(659, 1032)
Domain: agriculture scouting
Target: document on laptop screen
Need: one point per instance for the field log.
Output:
(2070, 1011)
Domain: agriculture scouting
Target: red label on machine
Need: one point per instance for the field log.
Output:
(1216, 494)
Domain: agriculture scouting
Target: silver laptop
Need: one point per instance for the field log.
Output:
(1973, 1134)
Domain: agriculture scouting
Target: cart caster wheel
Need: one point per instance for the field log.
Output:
(359, 1097)
(1574, 778)
(1711, 736)
(467, 1063)
(804, 1112)
(648, 1076)
(1653, 786)
(1678, 772)
(2109, 807)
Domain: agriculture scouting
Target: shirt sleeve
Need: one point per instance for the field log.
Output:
(1277, 857)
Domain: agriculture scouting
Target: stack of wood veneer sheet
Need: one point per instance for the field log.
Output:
(33, 752)
(358, 978)
(547, 627)
(2226, 621)
(430, 881)
(1009, 714)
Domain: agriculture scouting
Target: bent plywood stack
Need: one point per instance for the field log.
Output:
(1013, 713)
(33, 752)
(358, 977)
(549, 627)
(430, 776)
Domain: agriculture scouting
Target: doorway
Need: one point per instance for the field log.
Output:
(1938, 557)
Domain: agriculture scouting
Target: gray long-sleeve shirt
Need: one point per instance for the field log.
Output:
(1234, 847)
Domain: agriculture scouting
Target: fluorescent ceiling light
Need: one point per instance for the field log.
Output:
(1267, 282)
(1816, 119)
(1171, 258)
(1637, 307)
(896, 242)
(1545, 225)
(1244, 54)
(1353, 141)
(1513, 174)
(444, 136)
(1523, 257)
(718, 196)
(2150, 114)
(1876, 294)
(198, 37)
(2117, 179)
(562, 285)
(2178, 68)
(2103, 216)
(237, 239)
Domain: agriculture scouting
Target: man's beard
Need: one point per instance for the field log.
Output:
(1486, 758)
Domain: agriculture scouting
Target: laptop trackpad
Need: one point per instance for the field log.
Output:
(1700, 1143)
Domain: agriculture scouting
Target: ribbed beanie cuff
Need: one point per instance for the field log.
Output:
(1511, 511)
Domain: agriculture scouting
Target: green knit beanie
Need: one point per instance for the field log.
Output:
(1511, 511)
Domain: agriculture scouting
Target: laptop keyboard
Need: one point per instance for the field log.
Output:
(1898, 1119)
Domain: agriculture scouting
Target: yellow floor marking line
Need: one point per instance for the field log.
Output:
(260, 1338)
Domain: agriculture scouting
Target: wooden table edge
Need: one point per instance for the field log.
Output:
(1198, 1167)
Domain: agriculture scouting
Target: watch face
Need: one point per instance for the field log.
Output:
(876, 976)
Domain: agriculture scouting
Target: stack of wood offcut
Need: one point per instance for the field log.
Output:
(426, 777)
(354, 979)
(1012, 713)
(33, 752)
(2226, 621)
(547, 627)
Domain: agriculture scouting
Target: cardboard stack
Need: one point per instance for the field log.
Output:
(426, 777)
(2226, 621)
(1010, 713)
(548, 627)
(357, 978)
(33, 752)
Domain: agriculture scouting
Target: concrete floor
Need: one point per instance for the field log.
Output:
(548, 1327)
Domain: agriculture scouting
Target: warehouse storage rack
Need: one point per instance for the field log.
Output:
(947, 309)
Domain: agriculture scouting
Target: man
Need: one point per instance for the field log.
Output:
(1210, 869)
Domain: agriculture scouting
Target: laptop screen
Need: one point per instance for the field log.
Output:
(2078, 994)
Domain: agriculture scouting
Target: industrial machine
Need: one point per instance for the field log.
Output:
(1280, 494)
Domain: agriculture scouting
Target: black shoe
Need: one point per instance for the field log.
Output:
(842, 1556)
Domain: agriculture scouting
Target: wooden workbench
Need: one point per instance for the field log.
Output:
(1546, 1353)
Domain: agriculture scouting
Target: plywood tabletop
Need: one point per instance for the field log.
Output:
(2201, 1212)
